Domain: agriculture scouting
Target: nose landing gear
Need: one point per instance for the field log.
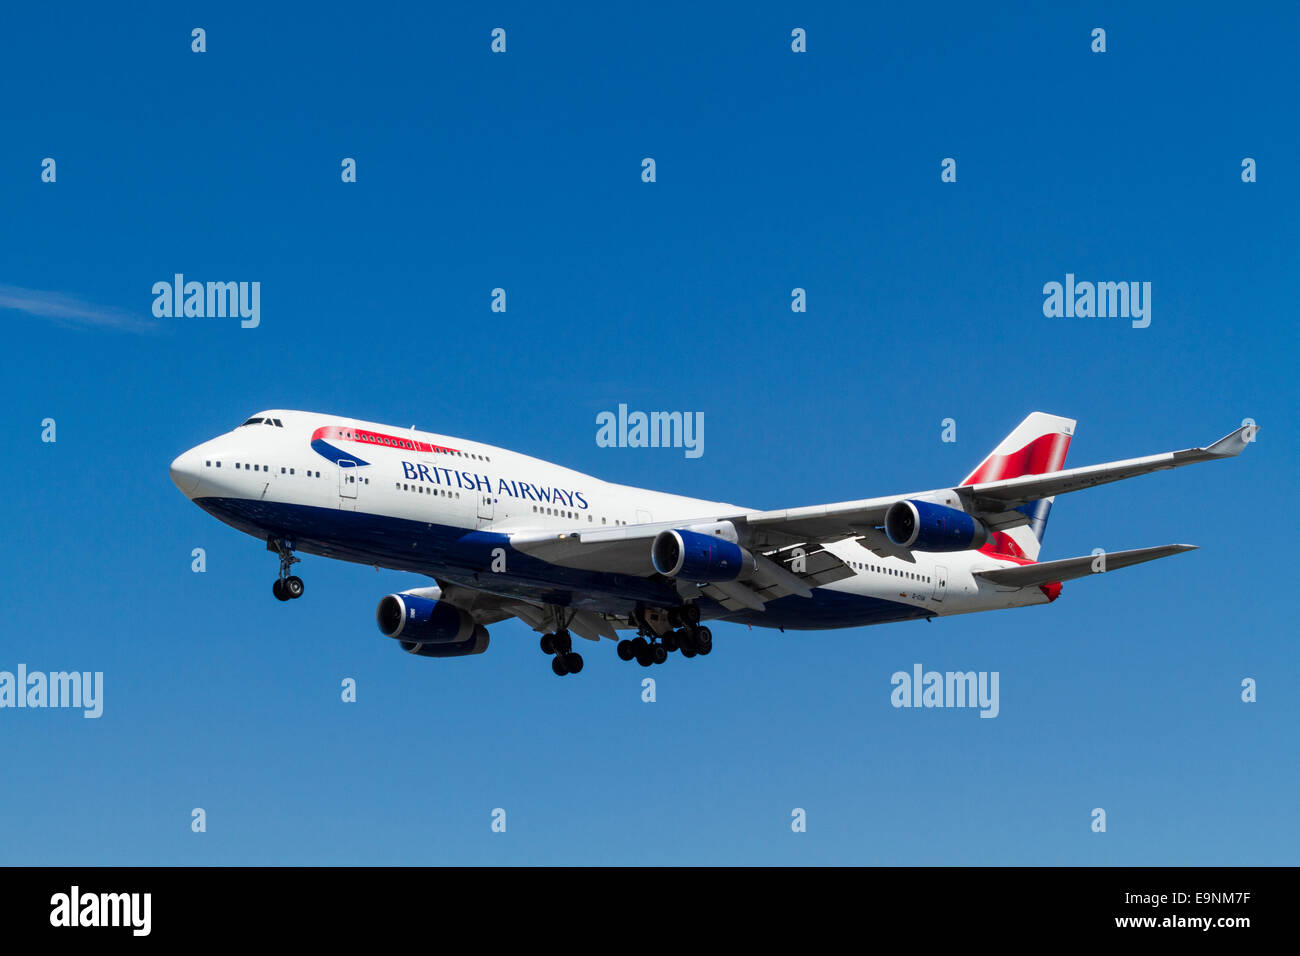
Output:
(287, 586)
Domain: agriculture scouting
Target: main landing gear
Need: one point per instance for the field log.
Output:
(566, 660)
(287, 586)
(683, 633)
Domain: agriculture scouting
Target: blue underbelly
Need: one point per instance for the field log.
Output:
(465, 557)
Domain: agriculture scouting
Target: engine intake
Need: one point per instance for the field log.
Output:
(698, 557)
(924, 526)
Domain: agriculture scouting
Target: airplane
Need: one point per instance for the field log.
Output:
(504, 535)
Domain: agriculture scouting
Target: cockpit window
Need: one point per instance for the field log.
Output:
(252, 421)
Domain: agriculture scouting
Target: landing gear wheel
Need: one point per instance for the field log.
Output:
(658, 653)
(625, 650)
(703, 639)
(691, 614)
(573, 662)
(688, 651)
(548, 643)
(557, 665)
(563, 643)
(278, 590)
(643, 656)
(293, 586)
(671, 643)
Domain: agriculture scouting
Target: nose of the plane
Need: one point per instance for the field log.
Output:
(185, 472)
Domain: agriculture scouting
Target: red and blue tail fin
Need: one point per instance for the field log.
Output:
(1035, 447)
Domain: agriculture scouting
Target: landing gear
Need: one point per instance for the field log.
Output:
(684, 634)
(287, 586)
(565, 661)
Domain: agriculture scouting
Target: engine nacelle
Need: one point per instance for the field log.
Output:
(422, 621)
(698, 557)
(925, 526)
(475, 645)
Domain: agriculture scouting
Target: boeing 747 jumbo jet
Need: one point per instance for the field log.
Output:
(505, 535)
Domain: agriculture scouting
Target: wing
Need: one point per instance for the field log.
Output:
(993, 501)
(787, 544)
(1068, 569)
(486, 608)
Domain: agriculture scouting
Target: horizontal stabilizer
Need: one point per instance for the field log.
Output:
(1068, 569)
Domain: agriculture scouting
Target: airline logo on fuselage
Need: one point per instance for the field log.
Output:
(523, 490)
(321, 443)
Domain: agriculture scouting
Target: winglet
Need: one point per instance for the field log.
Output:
(1234, 444)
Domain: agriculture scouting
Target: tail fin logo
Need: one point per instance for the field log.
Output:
(1044, 454)
(1036, 446)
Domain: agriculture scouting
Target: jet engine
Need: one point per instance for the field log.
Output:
(428, 627)
(698, 557)
(925, 526)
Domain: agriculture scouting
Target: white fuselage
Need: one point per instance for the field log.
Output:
(367, 486)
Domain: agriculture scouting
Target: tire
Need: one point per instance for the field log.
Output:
(548, 643)
(658, 653)
(670, 641)
(278, 591)
(688, 652)
(643, 658)
(557, 665)
(563, 643)
(293, 586)
(639, 646)
(625, 651)
(703, 639)
(573, 662)
(691, 614)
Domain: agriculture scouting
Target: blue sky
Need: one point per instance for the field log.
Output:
(775, 170)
